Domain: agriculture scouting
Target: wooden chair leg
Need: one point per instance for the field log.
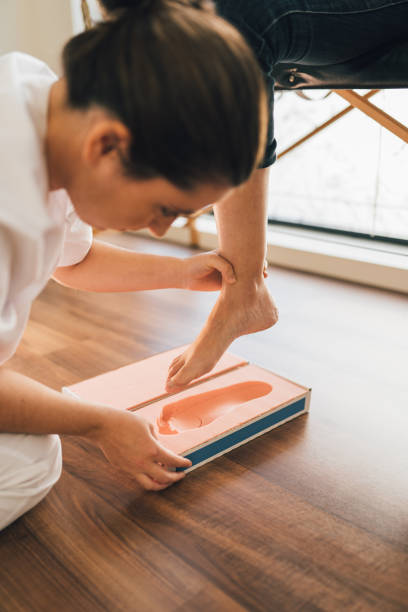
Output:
(324, 125)
(191, 225)
(374, 112)
(86, 15)
(194, 237)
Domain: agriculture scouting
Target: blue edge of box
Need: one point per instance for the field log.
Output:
(245, 432)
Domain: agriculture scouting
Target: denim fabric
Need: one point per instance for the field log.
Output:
(314, 32)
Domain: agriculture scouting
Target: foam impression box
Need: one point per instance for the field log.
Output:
(232, 404)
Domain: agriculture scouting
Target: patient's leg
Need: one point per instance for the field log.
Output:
(246, 306)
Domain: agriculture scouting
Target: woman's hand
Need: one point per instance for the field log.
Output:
(207, 272)
(128, 442)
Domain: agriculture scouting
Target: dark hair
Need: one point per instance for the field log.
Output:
(182, 80)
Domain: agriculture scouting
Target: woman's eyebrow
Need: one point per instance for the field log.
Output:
(196, 213)
(170, 210)
(181, 211)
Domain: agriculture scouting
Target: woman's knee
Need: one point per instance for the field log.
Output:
(29, 467)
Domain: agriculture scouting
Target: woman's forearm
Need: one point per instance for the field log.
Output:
(126, 439)
(111, 268)
(27, 406)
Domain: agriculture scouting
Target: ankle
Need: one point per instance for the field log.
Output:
(247, 288)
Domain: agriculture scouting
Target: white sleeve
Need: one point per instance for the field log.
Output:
(77, 239)
(18, 266)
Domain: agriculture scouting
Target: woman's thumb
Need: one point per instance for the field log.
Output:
(225, 268)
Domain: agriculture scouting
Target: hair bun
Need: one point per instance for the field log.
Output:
(143, 5)
(113, 5)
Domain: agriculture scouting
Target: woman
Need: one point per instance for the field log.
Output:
(144, 126)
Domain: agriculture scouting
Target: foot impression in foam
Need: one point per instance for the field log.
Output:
(202, 409)
(234, 403)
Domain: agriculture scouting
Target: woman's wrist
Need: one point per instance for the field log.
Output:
(182, 274)
(100, 422)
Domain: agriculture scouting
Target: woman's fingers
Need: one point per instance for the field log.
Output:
(152, 431)
(265, 268)
(149, 484)
(157, 475)
(170, 459)
(162, 476)
(224, 267)
(130, 443)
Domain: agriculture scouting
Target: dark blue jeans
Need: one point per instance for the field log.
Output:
(314, 32)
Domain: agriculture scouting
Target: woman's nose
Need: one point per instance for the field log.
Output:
(159, 226)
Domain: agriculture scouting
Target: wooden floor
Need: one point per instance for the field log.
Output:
(311, 516)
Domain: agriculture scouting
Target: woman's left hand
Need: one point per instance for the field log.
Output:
(207, 272)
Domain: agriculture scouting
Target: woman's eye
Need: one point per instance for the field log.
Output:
(167, 212)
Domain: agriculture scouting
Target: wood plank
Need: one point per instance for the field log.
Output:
(311, 516)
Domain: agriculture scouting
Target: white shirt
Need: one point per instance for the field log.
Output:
(38, 230)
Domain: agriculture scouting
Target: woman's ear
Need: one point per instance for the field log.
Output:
(105, 138)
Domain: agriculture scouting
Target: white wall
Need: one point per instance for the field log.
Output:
(38, 27)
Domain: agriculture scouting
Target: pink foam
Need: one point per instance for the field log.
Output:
(204, 408)
(218, 406)
(140, 382)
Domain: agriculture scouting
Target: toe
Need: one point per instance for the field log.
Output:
(181, 378)
(175, 367)
(188, 372)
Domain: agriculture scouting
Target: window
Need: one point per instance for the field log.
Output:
(351, 177)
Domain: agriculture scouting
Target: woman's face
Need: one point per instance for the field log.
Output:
(83, 158)
(128, 204)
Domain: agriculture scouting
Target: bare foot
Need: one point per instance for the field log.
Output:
(238, 311)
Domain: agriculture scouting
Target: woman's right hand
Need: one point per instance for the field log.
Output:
(128, 441)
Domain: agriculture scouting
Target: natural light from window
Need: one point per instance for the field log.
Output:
(352, 176)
